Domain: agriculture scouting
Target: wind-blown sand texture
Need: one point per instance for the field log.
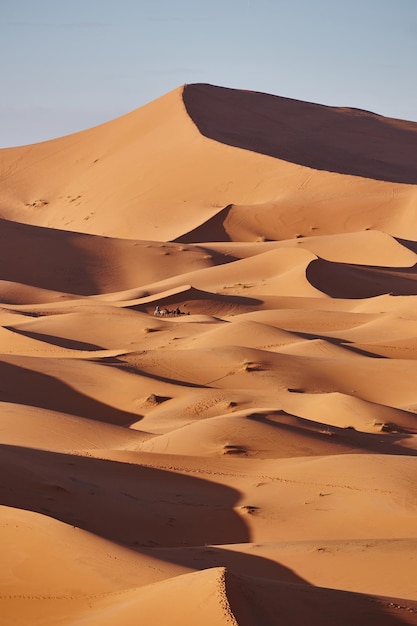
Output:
(254, 460)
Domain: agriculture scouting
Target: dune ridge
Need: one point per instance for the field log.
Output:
(249, 455)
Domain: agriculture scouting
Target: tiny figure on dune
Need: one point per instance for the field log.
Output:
(161, 312)
(158, 312)
(178, 311)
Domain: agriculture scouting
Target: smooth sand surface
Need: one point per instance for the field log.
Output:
(253, 460)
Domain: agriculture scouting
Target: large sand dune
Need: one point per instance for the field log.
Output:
(252, 460)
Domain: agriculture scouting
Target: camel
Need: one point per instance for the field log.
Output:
(167, 313)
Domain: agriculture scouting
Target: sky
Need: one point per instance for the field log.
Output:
(67, 65)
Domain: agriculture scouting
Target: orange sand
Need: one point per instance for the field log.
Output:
(251, 462)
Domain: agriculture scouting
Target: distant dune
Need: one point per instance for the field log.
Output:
(248, 454)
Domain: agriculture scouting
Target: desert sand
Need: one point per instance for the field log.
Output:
(252, 461)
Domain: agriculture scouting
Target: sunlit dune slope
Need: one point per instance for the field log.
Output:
(128, 177)
(224, 598)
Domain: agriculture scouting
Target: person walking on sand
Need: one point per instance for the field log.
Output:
(157, 310)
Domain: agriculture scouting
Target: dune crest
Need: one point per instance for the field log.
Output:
(338, 139)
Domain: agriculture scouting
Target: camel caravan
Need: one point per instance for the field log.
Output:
(167, 313)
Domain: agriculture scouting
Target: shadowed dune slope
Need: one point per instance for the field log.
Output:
(223, 598)
(342, 140)
(169, 157)
(86, 264)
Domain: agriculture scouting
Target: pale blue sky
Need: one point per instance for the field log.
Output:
(67, 65)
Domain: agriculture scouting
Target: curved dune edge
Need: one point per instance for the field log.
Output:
(62, 184)
(280, 127)
(226, 598)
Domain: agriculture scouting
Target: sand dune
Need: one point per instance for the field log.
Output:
(227, 599)
(238, 119)
(251, 458)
